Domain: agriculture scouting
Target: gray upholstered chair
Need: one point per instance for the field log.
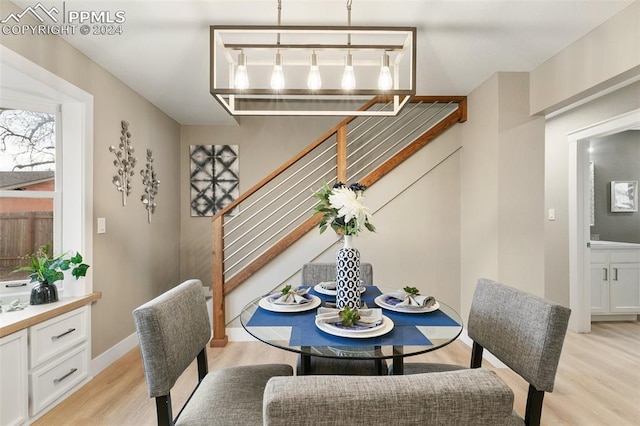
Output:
(173, 330)
(312, 274)
(523, 331)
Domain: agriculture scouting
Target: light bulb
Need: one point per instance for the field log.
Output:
(385, 81)
(241, 79)
(349, 77)
(314, 82)
(277, 77)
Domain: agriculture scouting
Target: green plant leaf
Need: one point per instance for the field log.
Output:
(412, 290)
(49, 268)
(80, 270)
(286, 289)
(77, 259)
(348, 316)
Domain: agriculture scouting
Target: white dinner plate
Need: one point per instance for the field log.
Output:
(267, 303)
(384, 302)
(319, 289)
(384, 328)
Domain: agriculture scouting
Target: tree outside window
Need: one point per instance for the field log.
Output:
(27, 185)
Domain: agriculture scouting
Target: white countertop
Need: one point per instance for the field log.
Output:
(613, 244)
(13, 321)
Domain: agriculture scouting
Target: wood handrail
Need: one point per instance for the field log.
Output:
(222, 288)
(411, 149)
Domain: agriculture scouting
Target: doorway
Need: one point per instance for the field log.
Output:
(580, 214)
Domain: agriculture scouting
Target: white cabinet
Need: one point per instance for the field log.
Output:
(45, 352)
(43, 362)
(615, 280)
(14, 394)
(58, 357)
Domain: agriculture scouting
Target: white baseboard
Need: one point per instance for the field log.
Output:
(111, 355)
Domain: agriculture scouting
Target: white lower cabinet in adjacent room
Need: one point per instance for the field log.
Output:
(615, 281)
(14, 391)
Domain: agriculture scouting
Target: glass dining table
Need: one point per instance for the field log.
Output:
(404, 331)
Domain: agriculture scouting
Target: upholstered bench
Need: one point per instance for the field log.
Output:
(464, 397)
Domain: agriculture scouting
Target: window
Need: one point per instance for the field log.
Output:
(29, 194)
(28, 87)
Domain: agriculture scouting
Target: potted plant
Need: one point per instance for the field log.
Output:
(47, 269)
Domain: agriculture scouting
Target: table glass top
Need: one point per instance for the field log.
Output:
(401, 334)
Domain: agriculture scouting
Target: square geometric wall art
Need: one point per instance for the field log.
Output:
(214, 178)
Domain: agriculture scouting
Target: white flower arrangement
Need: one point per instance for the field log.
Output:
(343, 208)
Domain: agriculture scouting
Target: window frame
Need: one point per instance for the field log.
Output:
(28, 84)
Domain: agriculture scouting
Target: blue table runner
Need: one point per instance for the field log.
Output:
(305, 333)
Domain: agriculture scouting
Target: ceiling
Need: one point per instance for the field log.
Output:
(163, 53)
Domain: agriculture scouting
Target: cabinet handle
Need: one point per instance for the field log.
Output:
(615, 274)
(15, 285)
(71, 330)
(56, 381)
(605, 273)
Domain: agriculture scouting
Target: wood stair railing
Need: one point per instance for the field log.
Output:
(222, 286)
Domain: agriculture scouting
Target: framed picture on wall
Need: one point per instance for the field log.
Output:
(624, 196)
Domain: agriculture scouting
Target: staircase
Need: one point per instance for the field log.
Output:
(272, 215)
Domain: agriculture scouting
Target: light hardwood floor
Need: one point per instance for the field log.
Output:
(598, 381)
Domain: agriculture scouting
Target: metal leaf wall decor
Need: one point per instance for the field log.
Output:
(151, 184)
(125, 162)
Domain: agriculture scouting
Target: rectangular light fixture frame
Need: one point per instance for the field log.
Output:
(369, 43)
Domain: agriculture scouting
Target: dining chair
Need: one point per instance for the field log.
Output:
(173, 330)
(523, 331)
(312, 274)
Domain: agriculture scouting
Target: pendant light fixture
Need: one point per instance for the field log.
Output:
(314, 81)
(241, 79)
(277, 76)
(353, 70)
(385, 81)
(348, 75)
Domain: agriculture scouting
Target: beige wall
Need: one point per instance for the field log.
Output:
(264, 144)
(608, 55)
(134, 261)
(479, 190)
(416, 212)
(593, 80)
(521, 187)
(557, 179)
(502, 172)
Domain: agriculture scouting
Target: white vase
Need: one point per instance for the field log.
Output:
(348, 275)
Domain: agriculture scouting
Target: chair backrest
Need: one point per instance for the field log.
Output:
(172, 329)
(524, 331)
(314, 273)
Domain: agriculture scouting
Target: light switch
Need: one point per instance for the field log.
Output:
(552, 214)
(102, 225)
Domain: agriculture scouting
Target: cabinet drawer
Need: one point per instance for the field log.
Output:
(56, 335)
(624, 256)
(51, 381)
